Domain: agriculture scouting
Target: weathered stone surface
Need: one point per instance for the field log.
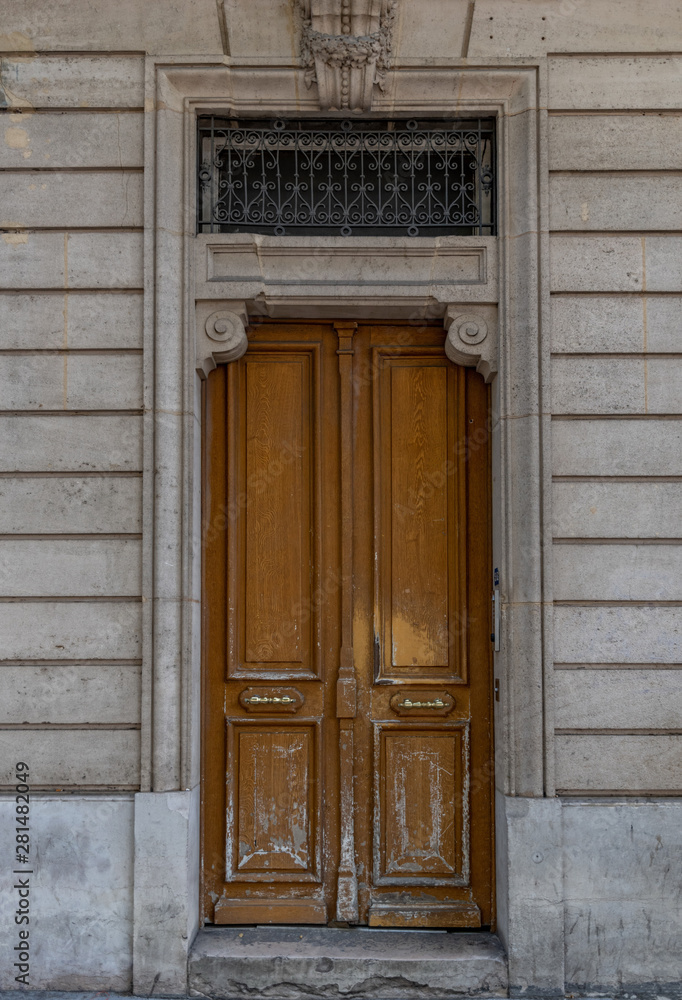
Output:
(616, 510)
(271, 30)
(615, 201)
(39, 199)
(617, 447)
(38, 505)
(73, 630)
(82, 889)
(71, 81)
(622, 894)
(71, 382)
(529, 838)
(615, 142)
(153, 26)
(594, 324)
(591, 572)
(64, 139)
(614, 82)
(617, 634)
(282, 963)
(625, 763)
(72, 757)
(617, 699)
(70, 443)
(81, 567)
(166, 910)
(54, 320)
(70, 694)
(534, 27)
(617, 385)
(428, 28)
(615, 263)
(70, 260)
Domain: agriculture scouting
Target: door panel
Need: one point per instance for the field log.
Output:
(274, 822)
(274, 531)
(418, 535)
(420, 802)
(347, 738)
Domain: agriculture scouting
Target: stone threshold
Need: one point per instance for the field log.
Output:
(330, 963)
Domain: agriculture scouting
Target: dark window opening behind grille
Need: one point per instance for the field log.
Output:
(396, 178)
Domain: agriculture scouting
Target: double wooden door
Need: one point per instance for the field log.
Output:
(347, 695)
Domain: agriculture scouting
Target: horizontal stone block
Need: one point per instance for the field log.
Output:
(616, 510)
(53, 320)
(513, 28)
(615, 201)
(617, 699)
(70, 443)
(72, 140)
(618, 763)
(70, 630)
(592, 572)
(38, 505)
(605, 842)
(617, 385)
(125, 26)
(617, 447)
(79, 567)
(68, 757)
(618, 883)
(615, 263)
(615, 142)
(71, 81)
(70, 260)
(71, 382)
(83, 888)
(37, 199)
(624, 634)
(615, 82)
(588, 324)
(70, 694)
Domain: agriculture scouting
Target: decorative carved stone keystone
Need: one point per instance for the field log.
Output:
(472, 338)
(346, 49)
(221, 336)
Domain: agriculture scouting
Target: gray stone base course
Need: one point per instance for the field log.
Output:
(303, 963)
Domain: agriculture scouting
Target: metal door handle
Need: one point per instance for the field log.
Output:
(407, 703)
(265, 699)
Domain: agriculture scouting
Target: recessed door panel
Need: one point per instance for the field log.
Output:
(421, 830)
(274, 802)
(418, 480)
(273, 527)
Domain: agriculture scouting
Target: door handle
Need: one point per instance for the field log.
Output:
(436, 703)
(255, 699)
(416, 702)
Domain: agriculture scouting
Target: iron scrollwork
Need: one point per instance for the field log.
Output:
(404, 178)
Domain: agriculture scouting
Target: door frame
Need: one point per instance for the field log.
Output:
(180, 270)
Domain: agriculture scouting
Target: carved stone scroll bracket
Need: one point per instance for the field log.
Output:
(220, 335)
(346, 48)
(473, 338)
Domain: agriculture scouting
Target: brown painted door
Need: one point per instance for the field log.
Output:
(347, 732)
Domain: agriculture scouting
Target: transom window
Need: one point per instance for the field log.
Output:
(343, 178)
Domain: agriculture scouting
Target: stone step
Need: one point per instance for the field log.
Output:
(302, 963)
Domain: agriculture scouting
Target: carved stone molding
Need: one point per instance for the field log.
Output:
(220, 336)
(472, 338)
(346, 49)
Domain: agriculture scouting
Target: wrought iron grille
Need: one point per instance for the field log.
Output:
(414, 178)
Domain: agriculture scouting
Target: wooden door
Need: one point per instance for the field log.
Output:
(347, 742)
